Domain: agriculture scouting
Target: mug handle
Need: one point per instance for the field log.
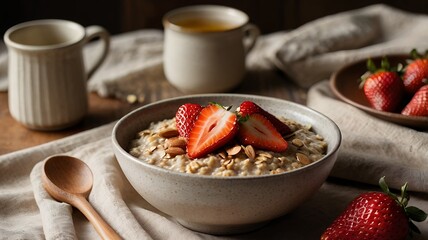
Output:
(251, 33)
(94, 32)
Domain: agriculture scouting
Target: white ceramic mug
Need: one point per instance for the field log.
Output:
(205, 47)
(46, 72)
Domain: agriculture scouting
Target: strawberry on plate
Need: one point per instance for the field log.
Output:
(248, 107)
(383, 87)
(376, 216)
(214, 127)
(256, 130)
(185, 118)
(416, 72)
(418, 105)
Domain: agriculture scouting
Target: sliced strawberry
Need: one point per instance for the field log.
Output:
(256, 130)
(186, 117)
(249, 107)
(214, 127)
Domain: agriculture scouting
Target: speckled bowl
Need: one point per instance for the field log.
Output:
(223, 205)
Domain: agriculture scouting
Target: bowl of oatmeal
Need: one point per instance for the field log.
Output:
(236, 187)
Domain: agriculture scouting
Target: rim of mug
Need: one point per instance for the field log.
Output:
(167, 23)
(44, 22)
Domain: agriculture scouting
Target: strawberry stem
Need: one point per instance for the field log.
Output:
(404, 195)
(414, 54)
(242, 119)
(227, 108)
(371, 66)
(416, 214)
(384, 64)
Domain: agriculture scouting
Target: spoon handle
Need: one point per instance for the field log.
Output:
(102, 227)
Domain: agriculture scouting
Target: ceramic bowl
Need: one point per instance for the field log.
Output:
(223, 205)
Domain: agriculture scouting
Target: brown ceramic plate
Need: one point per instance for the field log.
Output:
(345, 85)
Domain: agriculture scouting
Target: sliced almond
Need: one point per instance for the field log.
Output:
(297, 142)
(174, 151)
(233, 150)
(175, 142)
(249, 151)
(168, 133)
(302, 158)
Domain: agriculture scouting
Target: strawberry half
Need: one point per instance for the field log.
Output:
(376, 215)
(185, 118)
(248, 107)
(256, 130)
(214, 127)
(418, 105)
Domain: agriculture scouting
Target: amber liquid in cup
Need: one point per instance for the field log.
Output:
(205, 25)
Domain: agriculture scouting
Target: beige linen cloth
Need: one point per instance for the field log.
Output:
(371, 147)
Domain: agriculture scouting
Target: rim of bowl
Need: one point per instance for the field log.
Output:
(231, 178)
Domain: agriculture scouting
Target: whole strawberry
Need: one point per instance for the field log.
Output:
(185, 118)
(416, 72)
(376, 216)
(418, 105)
(383, 87)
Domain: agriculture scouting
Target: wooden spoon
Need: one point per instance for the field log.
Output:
(68, 179)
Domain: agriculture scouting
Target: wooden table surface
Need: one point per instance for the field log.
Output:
(14, 136)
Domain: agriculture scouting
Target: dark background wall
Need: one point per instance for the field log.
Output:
(127, 15)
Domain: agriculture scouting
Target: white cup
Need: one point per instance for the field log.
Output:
(46, 72)
(205, 47)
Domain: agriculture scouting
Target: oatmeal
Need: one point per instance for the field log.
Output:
(161, 145)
